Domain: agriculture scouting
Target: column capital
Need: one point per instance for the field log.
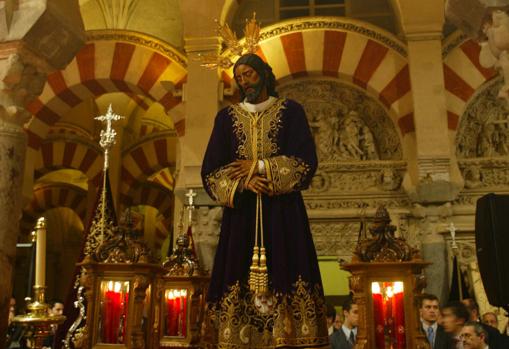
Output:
(52, 30)
(202, 44)
(424, 36)
(20, 82)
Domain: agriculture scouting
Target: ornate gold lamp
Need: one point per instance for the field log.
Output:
(117, 273)
(118, 279)
(386, 278)
(180, 296)
(38, 322)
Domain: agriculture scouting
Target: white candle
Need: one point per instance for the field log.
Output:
(40, 253)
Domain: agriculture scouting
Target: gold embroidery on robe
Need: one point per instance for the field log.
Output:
(296, 319)
(222, 187)
(286, 173)
(268, 124)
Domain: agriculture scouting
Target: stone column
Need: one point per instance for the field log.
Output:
(429, 221)
(18, 82)
(34, 40)
(435, 179)
(201, 95)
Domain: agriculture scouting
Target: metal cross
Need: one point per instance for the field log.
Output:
(190, 197)
(108, 135)
(190, 206)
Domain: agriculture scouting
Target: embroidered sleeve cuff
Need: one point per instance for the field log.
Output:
(285, 173)
(222, 187)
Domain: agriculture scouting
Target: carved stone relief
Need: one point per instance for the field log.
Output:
(206, 226)
(358, 177)
(346, 123)
(484, 128)
(485, 173)
(335, 239)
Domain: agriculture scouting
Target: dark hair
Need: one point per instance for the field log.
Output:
(53, 302)
(331, 311)
(471, 305)
(263, 69)
(347, 304)
(427, 297)
(458, 309)
(478, 329)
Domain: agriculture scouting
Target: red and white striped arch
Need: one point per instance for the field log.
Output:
(54, 195)
(146, 158)
(463, 75)
(164, 178)
(150, 194)
(161, 232)
(158, 197)
(120, 62)
(56, 154)
(351, 50)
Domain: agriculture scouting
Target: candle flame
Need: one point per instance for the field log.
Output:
(375, 288)
(172, 294)
(398, 287)
(390, 291)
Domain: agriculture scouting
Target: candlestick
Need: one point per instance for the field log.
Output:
(399, 315)
(40, 255)
(378, 312)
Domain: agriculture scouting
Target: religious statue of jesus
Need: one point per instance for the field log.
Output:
(265, 290)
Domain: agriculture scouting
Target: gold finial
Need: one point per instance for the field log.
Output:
(41, 223)
(108, 135)
(234, 47)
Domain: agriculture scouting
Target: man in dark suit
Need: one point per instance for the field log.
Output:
(345, 338)
(429, 312)
(331, 316)
(454, 316)
(495, 339)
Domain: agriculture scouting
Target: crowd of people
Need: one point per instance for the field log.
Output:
(456, 325)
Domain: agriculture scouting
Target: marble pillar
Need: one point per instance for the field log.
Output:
(429, 223)
(12, 157)
(19, 82)
(201, 97)
(34, 40)
(435, 177)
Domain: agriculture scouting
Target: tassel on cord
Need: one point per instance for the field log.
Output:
(255, 261)
(263, 277)
(258, 273)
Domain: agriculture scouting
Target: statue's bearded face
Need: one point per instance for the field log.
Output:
(249, 81)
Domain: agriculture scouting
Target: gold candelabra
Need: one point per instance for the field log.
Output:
(38, 322)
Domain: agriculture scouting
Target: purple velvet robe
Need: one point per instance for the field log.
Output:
(281, 137)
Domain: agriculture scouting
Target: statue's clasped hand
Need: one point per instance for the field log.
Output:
(260, 185)
(240, 168)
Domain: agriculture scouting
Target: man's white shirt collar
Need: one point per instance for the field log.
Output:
(253, 108)
(425, 326)
(347, 331)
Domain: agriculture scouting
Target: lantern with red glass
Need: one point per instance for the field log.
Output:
(386, 278)
(118, 280)
(180, 295)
